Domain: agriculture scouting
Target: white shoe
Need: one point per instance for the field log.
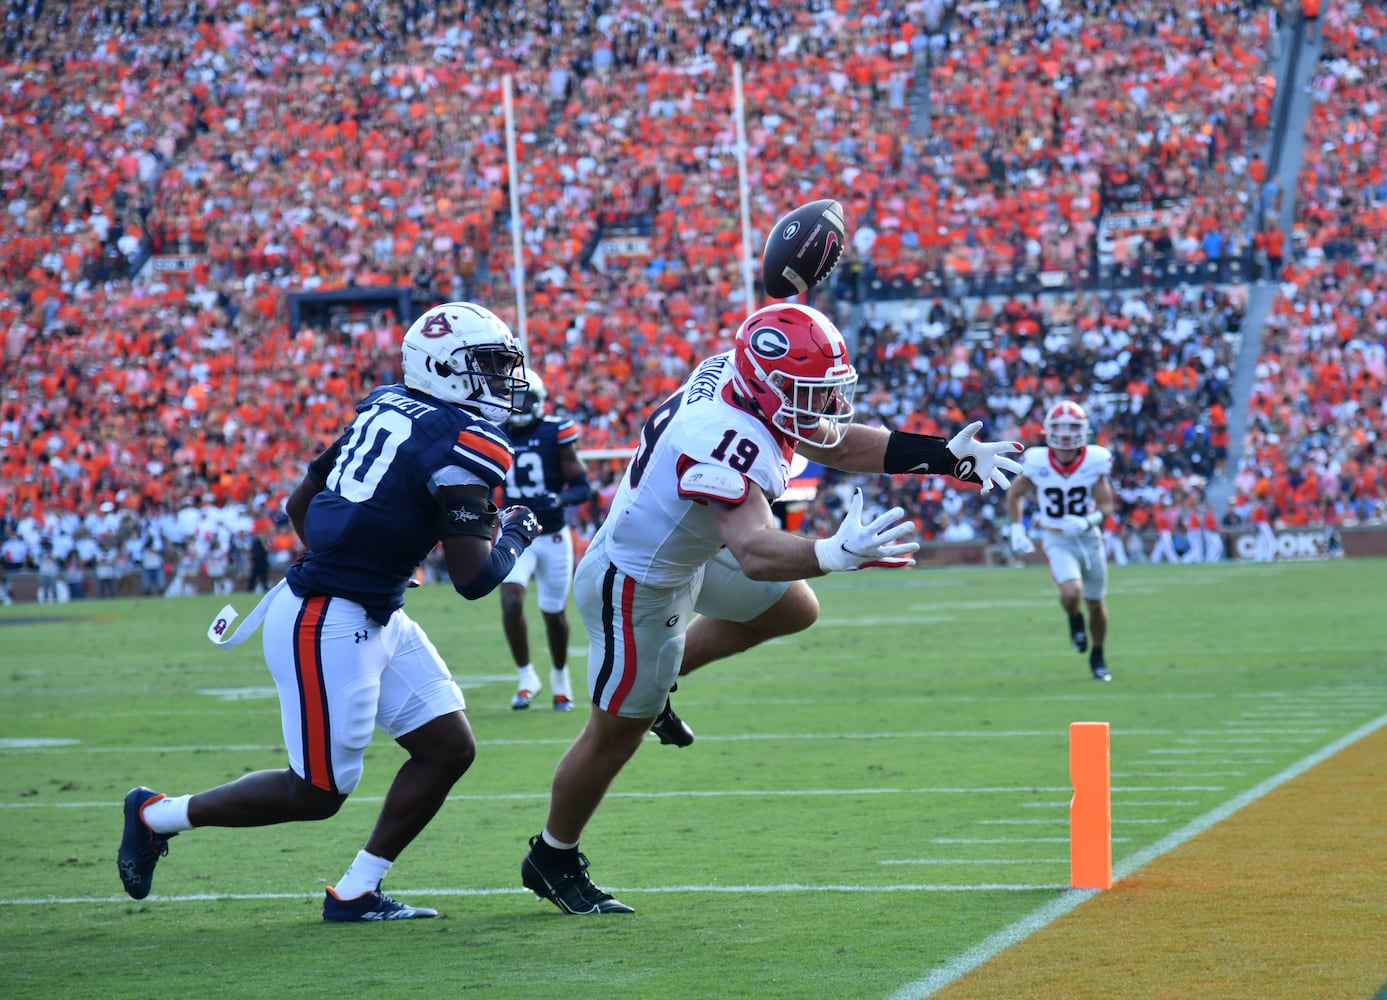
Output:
(526, 690)
(563, 694)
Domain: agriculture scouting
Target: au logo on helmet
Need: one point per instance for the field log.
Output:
(769, 343)
(436, 325)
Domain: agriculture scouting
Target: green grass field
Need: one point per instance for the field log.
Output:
(866, 805)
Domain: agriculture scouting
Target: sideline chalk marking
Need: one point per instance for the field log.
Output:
(1090, 810)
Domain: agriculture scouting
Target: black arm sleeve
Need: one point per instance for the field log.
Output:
(475, 516)
(576, 491)
(918, 453)
(498, 565)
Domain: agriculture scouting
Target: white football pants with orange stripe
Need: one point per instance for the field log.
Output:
(339, 675)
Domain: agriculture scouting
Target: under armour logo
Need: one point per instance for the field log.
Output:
(362, 636)
(220, 626)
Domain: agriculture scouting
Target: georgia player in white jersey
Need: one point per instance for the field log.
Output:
(691, 533)
(1069, 478)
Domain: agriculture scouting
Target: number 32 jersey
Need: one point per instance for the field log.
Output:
(1065, 489)
(659, 530)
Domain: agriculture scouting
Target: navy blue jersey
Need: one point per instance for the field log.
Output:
(537, 473)
(376, 517)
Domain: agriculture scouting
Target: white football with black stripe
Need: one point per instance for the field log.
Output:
(803, 248)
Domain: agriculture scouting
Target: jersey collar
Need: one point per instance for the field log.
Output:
(1066, 468)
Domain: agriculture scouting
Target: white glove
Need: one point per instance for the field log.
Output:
(1077, 524)
(879, 542)
(1021, 543)
(1073, 524)
(982, 461)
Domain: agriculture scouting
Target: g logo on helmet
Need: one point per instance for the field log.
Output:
(769, 342)
(788, 233)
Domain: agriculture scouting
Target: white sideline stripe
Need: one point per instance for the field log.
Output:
(976, 861)
(1203, 752)
(566, 740)
(1260, 740)
(693, 793)
(1181, 774)
(1052, 822)
(615, 890)
(1012, 840)
(1043, 916)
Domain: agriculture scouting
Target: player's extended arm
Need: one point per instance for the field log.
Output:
(466, 518)
(963, 456)
(764, 552)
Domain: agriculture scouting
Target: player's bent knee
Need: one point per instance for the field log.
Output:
(794, 612)
(314, 803)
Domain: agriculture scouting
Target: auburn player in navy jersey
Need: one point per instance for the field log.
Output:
(546, 476)
(416, 467)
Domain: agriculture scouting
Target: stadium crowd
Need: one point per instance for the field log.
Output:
(259, 149)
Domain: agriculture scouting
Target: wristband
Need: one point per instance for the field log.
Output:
(918, 453)
(1095, 518)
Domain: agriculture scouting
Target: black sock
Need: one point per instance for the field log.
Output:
(547, 851)
(1096, 655)
(1076, 623)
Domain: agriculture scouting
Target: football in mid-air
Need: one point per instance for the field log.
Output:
(803, 248)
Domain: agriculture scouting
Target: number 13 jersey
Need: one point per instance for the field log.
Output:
(660, 528)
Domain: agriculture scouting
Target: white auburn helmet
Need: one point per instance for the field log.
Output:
(1066, 426)
(792, 362)
(529, 408)
(462, 353)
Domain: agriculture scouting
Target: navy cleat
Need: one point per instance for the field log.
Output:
(672, 730)
(1077, 635)
(140, 847)
(370, 906)
(567, 886)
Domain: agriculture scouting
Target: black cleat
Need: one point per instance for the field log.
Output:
(570, 890)
(140, 847)
(1077, 635)
(369, 906)
(1099, 666)
(672, 730)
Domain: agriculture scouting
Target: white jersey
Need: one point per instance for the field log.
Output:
(1065, 489)
(659, 530)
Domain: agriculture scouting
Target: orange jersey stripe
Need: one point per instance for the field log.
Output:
(486, 447)
(568, 435)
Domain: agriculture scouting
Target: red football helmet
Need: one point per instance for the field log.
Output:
(1066, 426)
(792, 362)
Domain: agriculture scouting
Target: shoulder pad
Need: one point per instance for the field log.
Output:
(705, 481)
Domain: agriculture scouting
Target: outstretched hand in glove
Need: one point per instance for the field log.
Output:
(983, 462)
(883, 541)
